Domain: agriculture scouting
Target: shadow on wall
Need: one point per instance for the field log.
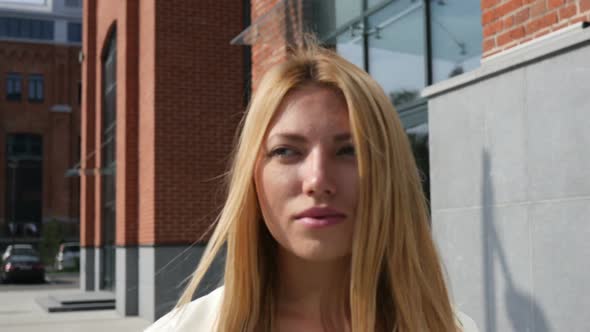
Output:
(177, 273)
(523, 311)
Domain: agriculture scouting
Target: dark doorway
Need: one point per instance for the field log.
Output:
(24, 186)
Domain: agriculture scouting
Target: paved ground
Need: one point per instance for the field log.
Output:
(52, 281)
(20, 313)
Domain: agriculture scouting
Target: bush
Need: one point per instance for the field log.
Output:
(52, 236)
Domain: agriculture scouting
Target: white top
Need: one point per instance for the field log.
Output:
(200, 316)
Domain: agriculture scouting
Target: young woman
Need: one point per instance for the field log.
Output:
(325, 221)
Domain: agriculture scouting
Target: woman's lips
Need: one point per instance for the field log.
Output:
(321, 222)
(320, 217)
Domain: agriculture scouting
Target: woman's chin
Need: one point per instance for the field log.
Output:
(316, 251)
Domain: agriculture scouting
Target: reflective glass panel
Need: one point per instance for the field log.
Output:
(329, 15)
(74, 32)
(347, 10)
(456, 37)
(350, 46)
(372, 3)
(396, 50)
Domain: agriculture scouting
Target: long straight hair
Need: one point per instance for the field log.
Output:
(396, 278)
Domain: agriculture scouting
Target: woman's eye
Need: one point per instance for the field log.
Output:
(282, 152)
(347, 150)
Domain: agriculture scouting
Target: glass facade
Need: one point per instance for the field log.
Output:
(396, 60)
(350, 47)
(456, 38)
(15, 27)
(405, 45)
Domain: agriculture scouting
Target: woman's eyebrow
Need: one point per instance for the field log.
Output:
(288, 137)
(342, 137)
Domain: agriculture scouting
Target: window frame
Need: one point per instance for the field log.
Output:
(37, 83)
(27, 28)
(11, 79)
(74, 35)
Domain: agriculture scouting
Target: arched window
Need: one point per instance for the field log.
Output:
(109, 129)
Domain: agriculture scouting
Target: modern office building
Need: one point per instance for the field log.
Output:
(492, 95)
(39, 117)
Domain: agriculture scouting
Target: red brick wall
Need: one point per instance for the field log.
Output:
(277, 25)
(179, 99)
(507, 23)
(60, 131)
(273, 48)
(127, 126)
(87, 162)
(198, 103)
(146, 146)
(100, 19)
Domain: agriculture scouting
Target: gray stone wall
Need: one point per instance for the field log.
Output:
(510, 186)
(126, 281)
(87, 268)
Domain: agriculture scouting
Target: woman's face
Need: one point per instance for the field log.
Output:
(306, 176)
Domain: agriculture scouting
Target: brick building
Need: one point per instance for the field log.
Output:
(39, 118)
(491, 95)
(163, 93)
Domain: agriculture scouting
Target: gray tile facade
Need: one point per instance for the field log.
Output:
(510, 188)
(87, 269)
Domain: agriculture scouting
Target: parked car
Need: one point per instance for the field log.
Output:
(68, 256)
(23, 264)
(10, 249)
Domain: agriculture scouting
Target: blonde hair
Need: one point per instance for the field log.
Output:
(396, 278)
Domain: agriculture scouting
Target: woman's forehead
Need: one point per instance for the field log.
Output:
(310, 109)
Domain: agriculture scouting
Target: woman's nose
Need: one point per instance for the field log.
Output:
(317, 176)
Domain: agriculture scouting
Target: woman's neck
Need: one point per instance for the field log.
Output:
(315, 292)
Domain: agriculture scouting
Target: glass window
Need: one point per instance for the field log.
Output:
(329, 15)
(350, 46)
(47, 30)
(72, 3)
(13, 86)
(372, 3)
(456, 37)
(36, 87)
(396, 50)
(108, 183)
(13, 27)
(3, 27)
(347, 10)
(25, 28)
(24, 179)
(74, 32)
(20, 145)
(36, 29)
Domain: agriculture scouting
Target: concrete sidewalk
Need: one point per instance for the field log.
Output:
(20, 313)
